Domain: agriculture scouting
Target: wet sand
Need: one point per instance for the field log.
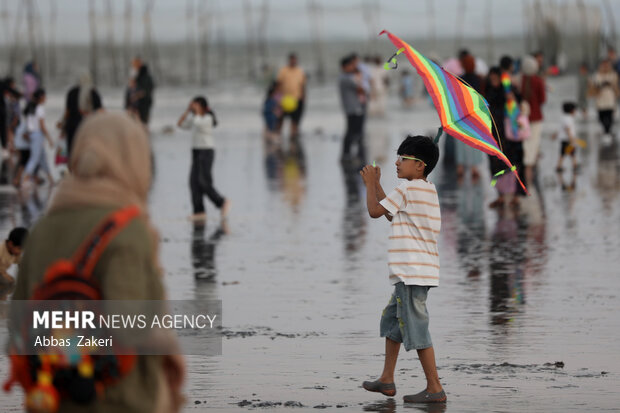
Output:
(302, 275)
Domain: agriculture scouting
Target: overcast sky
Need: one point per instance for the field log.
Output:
(289, 19)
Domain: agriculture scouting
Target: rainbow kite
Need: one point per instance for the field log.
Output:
(462, 111)
(511, 108)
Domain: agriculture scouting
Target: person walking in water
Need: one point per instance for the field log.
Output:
(36, 130)
(201, 120)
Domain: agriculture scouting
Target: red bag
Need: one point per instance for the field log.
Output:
(83, 380)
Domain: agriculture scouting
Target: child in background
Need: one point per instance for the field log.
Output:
(272, 111)
(523, 121)
(10, 253)
(568, 135)
(413, 209)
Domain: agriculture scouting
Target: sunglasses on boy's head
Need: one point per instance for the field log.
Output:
(400, 158)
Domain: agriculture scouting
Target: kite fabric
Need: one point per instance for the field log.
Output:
(463, 113)
(511, 108)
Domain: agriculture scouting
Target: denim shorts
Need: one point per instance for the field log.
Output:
(405, 319)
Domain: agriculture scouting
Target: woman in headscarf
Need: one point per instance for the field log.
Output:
(111, 169)
(82, 100)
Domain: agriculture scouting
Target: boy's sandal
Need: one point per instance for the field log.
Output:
(426, 397)
(387, 389)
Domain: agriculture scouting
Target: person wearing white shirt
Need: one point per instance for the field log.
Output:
(568, 135)
(413, 262)
(200, 119)
(37, 132)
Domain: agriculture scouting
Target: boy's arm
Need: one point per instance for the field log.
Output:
(380, 193)
(375, 209)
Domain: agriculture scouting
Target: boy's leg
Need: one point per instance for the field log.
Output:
(427, 358)
(385, 384)
(389, 327)
(391, 355)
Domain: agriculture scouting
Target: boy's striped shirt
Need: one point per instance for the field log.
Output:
(413, 256)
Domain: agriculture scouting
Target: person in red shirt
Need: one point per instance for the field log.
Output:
(532, 91)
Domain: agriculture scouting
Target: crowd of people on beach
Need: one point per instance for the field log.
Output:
(23, 128)
(364, 87)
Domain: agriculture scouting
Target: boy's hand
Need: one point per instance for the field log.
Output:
(378, 172)
(369, 175)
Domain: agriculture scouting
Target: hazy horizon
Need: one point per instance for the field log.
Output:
(286, 21)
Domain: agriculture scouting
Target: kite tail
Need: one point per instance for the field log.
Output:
(521, 183)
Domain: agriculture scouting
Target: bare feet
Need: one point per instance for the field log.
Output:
(202, 216)
(225, 209)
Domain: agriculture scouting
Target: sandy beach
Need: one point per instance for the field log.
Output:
(526, 315)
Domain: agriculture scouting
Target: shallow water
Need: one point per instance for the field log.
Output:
(301, 269)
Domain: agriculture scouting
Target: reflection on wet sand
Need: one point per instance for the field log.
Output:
(506, 261)
(203, 250)
(608, 175)
(428, 408)
(32, 206)
(285, 169)
(381, 406)
(471, 230)
(354, 214)
(6, 290)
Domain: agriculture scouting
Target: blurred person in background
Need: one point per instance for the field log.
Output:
(605, 87)
(82, 100)
(292, 81)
